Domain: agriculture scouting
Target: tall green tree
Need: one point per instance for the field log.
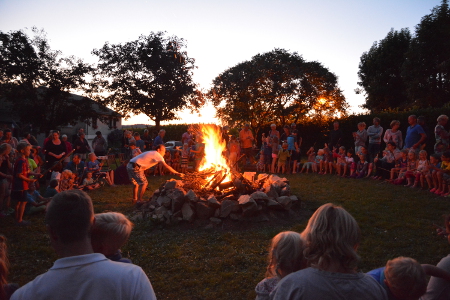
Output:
(427, 66)
(278, 87)
(36, 81)
(380, 72)
(151, 75)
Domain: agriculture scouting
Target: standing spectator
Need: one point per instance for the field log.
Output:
(147, 140)
(428, 132)
(225, 134)
(234, 150)
(186, 138)
(285, 134)
(293, 126)
(9, 139)
(360, 136)
(394, 135)
(99, 144)
(69, 149)
(274, 132)
(374, 132)
(5, 179)
(441, 135)
(159, 140)
(77, 135)
(80, 273)
(20, 182)
(415, 135)
(139, 142)
(335, 136)
(126, 140)
(81, 146)
(332, 238)
(55, 149)
(246, 139)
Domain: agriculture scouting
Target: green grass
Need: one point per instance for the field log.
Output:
(187, 261)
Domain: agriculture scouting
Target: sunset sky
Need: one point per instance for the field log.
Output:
(220, 34)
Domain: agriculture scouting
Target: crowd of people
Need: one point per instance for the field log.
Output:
(319, 263)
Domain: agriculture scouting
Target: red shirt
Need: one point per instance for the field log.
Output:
(20, 167)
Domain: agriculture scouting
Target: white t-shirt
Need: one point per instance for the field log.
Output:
(88, 277)
(147, 159)
(438, 288)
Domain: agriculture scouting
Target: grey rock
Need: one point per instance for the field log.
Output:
(203, 211)
(215, 221)
(227, 207)
(272, 204)
(209, 226)
(245, 200)
(176, 193)
(160, 210)
(164, 201)
(137, 217)
(259, 218)
(188, 212)
(191, 196)
(235, 217)
(285, 201)
(286, 191)
(172, 184)
(271, 192)
(213, 202)
(259, 196)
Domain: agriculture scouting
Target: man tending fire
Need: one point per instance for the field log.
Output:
(137, 166)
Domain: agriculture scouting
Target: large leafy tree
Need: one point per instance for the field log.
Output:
(276, 86)
(380, 72)
(36, 81)
(151, 75)
(427, 66)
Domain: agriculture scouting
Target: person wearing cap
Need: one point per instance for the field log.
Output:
(99, 144)
(246, 138)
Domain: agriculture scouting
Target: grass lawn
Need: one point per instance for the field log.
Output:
(188, 261)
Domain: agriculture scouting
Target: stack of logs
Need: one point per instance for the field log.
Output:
(195, 197)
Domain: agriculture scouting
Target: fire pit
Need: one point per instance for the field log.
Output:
(217, 191)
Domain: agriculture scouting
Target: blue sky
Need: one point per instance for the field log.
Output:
(221, 34)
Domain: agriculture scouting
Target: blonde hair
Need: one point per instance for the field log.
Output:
(394, 122)
(285, 254)
(332, 235)
(362, 124)
(4, 266)
(442, 117)
(406, 278)
(111, 230)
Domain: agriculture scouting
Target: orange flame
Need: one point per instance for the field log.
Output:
(214, 148)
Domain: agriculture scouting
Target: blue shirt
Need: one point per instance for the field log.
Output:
(413, 135)
(291, 142)
(378, 275)
(157, 141)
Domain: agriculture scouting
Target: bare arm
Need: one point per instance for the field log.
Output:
(170, 168)
(431, 270)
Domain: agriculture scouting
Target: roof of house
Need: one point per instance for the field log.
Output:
(97, 107)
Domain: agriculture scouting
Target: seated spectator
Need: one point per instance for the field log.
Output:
(135, 151)
(285, 257)
(67, 180)
(121, 174)
(405, 278)
(110, 232)
(76, 166)
(94, 166)
(6, 289)
(80, 273)
(89, 183)
(51, 190)
(332, 238)
(35, 202)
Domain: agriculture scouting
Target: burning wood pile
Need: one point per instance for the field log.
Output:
(217, 191)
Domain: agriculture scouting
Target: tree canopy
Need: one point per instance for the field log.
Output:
(401, 71)
(276, 87)
(151, 75)
(36, 81)
(380, 72)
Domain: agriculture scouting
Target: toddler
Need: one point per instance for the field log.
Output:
(434, 167)
(283, 155)
(311, 163)
(94, 166)
(340, 163)
(361, 167)
(285, 257)
(349, 163)
(176, 160)
(410, 168)
(184, 158)
(400, 165)
(260, 166)
(110, 232)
